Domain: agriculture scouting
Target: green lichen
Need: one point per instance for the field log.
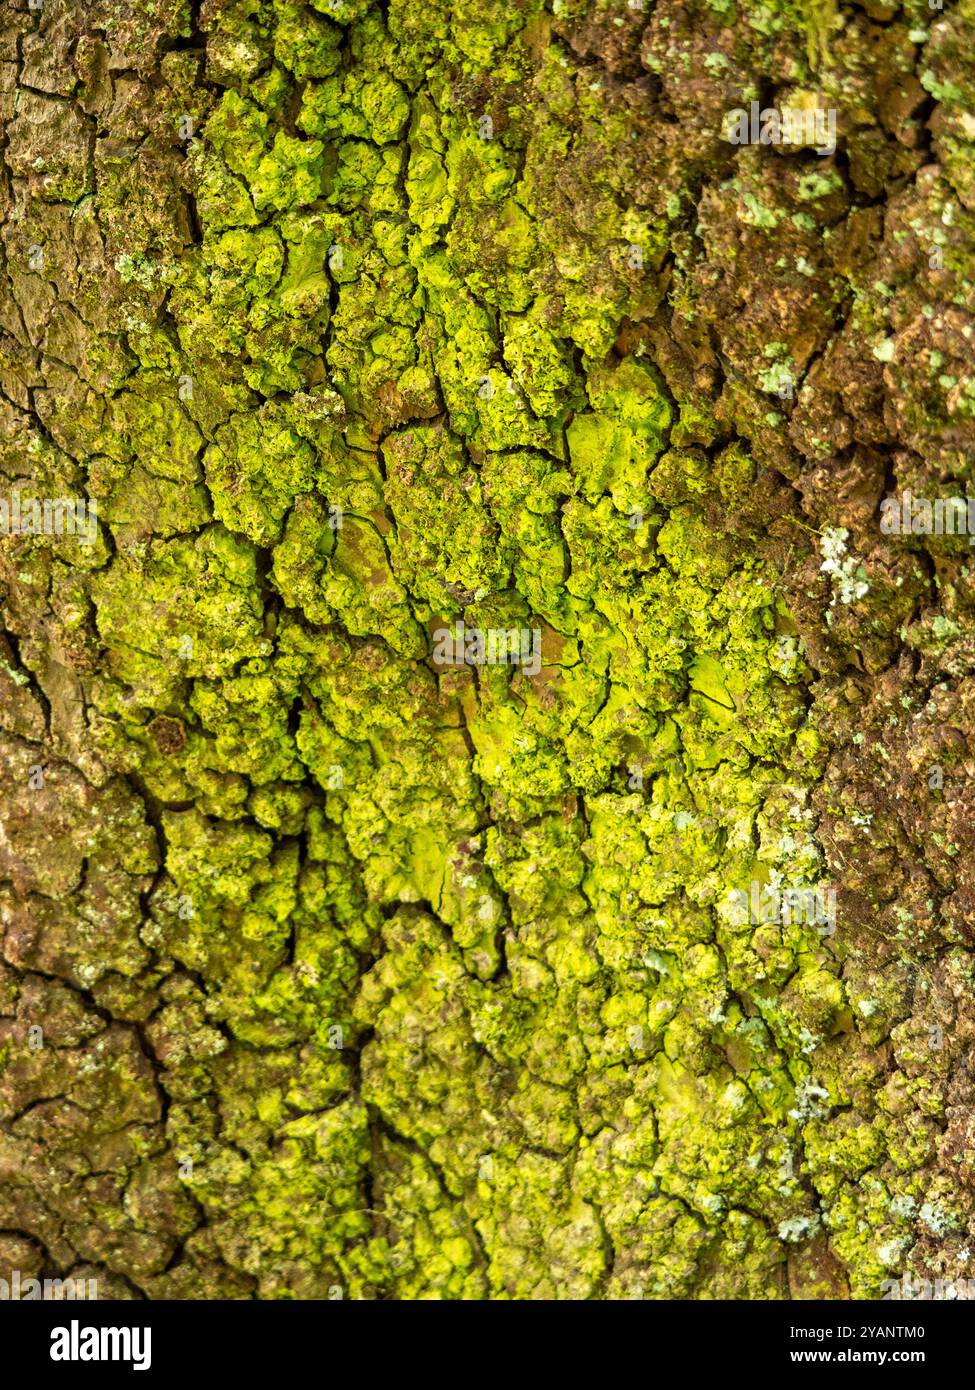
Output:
(438, 963)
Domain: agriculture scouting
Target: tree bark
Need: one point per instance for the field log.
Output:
(487, 806)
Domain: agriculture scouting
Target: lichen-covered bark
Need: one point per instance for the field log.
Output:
(332, 969)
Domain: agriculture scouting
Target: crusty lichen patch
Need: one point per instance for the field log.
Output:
(362, 973)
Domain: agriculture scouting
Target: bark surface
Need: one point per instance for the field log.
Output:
(336, 964)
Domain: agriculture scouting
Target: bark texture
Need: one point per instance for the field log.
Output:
(335, 968)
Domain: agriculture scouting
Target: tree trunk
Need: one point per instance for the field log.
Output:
(487, 793)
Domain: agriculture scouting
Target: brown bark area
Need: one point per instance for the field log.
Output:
(162, 1041)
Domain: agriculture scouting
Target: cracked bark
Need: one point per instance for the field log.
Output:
(359, 974)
